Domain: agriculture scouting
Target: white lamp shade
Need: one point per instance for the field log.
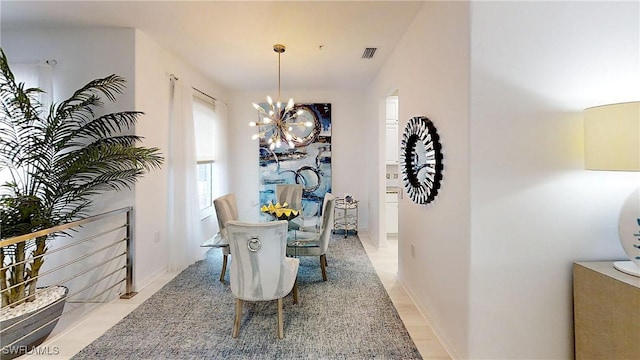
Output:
(612, 137)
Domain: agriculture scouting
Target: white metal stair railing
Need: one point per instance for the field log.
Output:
(106, 268)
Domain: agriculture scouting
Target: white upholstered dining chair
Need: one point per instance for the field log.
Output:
(260, 270)
(226, 210)
(312, 243)
(291, 194)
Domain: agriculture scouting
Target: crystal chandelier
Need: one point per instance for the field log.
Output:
(277, 121)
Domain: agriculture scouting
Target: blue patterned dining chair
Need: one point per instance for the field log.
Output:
(260, 270)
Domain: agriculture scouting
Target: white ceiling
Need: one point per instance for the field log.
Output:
(232, 41)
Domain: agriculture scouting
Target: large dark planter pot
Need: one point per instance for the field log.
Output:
(31, 323)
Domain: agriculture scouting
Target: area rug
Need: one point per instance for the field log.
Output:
(350, 316)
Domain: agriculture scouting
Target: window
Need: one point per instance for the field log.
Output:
(205, 184)
(206, 126)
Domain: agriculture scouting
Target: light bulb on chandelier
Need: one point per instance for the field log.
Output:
(277, 122)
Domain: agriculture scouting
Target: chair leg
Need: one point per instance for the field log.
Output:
(295, 291)
(323, 266)
(280, 320)
(236, 323)
(224, 267)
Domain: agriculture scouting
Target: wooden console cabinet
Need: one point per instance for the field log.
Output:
(606, 312)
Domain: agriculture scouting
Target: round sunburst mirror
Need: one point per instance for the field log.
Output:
(421, 160)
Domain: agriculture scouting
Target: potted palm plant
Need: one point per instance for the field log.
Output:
(57, 162)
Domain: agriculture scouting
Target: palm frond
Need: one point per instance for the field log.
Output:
(18, 103)
(104, 126)
(108, 86)
(122, 140)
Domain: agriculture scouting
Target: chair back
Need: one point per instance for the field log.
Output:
(291, 194)
(259, 270)
(328, 206)
(226, 209)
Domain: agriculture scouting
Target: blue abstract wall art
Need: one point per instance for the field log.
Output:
(308, 163)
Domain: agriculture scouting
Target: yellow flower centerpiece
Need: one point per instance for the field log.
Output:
(280, 211)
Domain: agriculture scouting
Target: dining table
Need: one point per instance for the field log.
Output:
(297, 237)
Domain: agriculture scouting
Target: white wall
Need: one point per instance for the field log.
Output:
(375, 133)
(351, 151)
(494, 251)
(430, 69)
(152, 97)
(85, 54)
(154, 64)
(535, 67)
(80, 57)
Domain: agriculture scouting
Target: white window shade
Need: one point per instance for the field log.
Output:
(207, 128)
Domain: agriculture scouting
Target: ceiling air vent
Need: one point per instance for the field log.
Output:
(368, 53)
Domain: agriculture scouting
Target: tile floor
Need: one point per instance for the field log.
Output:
(385, 261)
(88, 323)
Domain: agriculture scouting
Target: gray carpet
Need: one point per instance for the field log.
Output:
(348, 317)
